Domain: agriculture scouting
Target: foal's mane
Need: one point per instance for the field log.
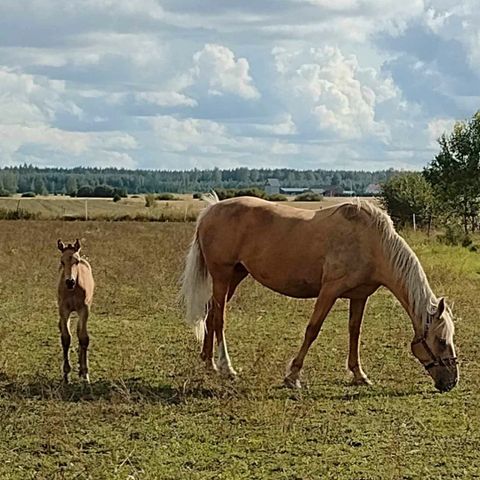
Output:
(404, 263)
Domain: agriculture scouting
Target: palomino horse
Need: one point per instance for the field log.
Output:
(75, 292)
(345, 251)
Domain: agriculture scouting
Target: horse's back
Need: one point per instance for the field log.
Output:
(285, 248)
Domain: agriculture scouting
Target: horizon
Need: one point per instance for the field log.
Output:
(174, 86)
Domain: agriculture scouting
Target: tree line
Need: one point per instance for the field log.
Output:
(43, 181)
(447, 191)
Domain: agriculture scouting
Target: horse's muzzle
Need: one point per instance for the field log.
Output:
(444, 386)
(70, 283)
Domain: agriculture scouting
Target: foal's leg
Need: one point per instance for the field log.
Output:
(357, 307)
(64, 327)
(323, 305)
(83, 341)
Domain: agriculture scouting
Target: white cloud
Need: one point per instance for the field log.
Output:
(122, 81)
(25, 99)
(166, 99)
(216, 65)
(334, 91)
(285, 126)
(438, 126)
(453, 20)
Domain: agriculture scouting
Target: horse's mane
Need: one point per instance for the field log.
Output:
(403, 260)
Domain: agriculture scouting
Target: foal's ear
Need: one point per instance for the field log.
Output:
(76, 245)
(60, 245)
(440, 307)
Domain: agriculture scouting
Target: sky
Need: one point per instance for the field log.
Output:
(181, 84)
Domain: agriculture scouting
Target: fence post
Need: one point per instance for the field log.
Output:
(414, 223)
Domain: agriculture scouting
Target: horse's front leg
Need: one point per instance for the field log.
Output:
(357, 307)
(83, 341)
(323, 305)
(64, 327)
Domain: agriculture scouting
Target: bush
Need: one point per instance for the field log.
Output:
(149, 200)
(121, 192)
(85, 191)
(103, 191)
(245, 192)
(100, 191)
(117, 198)
(277, 197)
(4, 193)
(28, 194)
(453, 235)
(309, 197)
(166, 196)
(197, 196)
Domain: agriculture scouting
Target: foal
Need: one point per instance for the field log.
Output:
(75, 292)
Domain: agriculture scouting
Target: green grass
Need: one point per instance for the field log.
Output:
(153, 413)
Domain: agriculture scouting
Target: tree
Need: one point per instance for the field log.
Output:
(406, 194)
(71, 185)
(455, 173)
(9, 181)
(39, 186)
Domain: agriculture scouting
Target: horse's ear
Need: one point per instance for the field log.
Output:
(440, 307)
(60, 245)
(76, 245)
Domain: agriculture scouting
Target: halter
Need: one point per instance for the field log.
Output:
(435, 361)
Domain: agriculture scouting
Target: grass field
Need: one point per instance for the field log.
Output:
(153, 413)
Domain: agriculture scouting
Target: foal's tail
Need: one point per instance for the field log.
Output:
(196, 281)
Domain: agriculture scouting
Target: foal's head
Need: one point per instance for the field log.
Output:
(69, 262)
(435, 348)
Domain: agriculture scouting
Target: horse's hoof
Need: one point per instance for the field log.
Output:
(292, 383)
(210, 366)
(85, 378)
(65, 380)
(361, 381)
(227, 373)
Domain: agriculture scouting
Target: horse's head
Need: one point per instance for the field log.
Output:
(69, 262)
(435, 348)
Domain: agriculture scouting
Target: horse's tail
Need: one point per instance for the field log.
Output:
(196, 281)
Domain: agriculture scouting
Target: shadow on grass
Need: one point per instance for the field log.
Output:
(133, 390)
(120, 391)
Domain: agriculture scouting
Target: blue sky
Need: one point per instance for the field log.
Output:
(348, 84)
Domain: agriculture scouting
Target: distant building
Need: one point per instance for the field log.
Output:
(333, 191)
(272, 186)
(373, 189)
(348, 193)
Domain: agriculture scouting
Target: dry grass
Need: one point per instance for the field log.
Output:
(152, 412)
(132, 208)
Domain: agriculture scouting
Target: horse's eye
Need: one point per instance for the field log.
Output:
(63, 263)
(442, 342)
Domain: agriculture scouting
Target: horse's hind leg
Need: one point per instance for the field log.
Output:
(214, 323)
(219, 298)
(357, 307)
(83, 341)
(207, 350)
(64, 327)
